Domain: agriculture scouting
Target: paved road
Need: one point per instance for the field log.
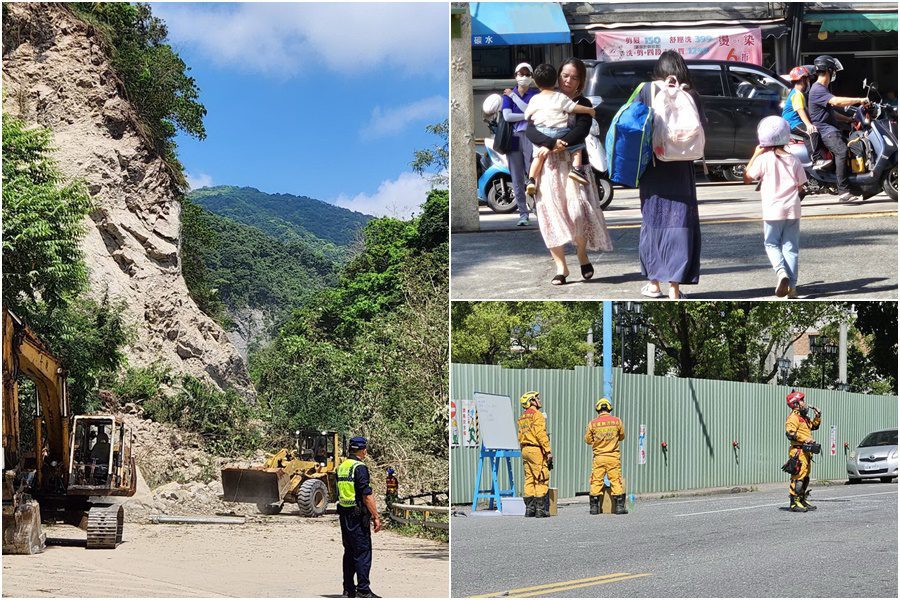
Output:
(742, 545)
(846, 252)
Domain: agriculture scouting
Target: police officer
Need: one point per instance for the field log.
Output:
(391, 486)
(536, 455)
(356, 506)
(798, 429)
(604, 434)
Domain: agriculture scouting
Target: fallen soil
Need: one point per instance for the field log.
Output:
(276, 556)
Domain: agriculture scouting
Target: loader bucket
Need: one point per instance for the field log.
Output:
(260, 486)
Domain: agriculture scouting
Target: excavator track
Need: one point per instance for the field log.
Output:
(105, 526)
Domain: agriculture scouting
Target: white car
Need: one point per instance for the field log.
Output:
(875, 457)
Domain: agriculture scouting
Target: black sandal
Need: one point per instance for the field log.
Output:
(558, 280)
(587, 271)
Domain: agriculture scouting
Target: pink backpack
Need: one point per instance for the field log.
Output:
(677, 129)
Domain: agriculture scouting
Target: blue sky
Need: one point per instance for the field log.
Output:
(327, 100)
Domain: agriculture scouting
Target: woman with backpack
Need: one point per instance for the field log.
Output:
(569, 212)
(670, 223)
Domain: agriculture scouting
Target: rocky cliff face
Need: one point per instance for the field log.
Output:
(56, 74)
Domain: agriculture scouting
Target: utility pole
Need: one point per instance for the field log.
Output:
(590, 341)
(842, 354)
(651, 358)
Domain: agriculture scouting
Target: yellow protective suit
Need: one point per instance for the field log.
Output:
(535, 447)
(799, 430)
(604, 434)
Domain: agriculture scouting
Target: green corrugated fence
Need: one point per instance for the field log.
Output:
(697, 418)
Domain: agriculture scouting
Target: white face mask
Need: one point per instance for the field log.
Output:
(523, 80)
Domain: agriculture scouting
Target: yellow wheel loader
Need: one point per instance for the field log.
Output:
(305, 474)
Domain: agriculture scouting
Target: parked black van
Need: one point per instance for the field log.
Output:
(736, 96)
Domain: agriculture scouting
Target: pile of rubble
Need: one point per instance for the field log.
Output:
(176, 475)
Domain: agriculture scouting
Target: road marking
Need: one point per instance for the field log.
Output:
(562, 586)
(707, 512)
(712, 221)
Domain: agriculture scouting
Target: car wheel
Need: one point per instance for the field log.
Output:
(886, 479)
(889, 183)
(853, 480)
(500, 196)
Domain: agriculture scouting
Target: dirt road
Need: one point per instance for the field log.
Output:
(281, 556)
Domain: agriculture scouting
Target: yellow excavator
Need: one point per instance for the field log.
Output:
(305, 474)
(75, 462)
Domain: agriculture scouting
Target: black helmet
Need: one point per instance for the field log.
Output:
(828, 63)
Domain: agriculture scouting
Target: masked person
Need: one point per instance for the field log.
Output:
(356, 510)
(798, 429)
(536, 455)
(603, 434)
(796, 111)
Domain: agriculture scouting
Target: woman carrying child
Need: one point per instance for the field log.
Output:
(569, 211)
(781, 176)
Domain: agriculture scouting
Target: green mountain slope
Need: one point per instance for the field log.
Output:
(284, 216)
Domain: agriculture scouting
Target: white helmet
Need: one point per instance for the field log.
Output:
(492, 105)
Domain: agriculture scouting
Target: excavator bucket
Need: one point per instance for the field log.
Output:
(260, 486)
(22, 533)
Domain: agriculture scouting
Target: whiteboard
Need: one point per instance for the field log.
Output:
(496, 421)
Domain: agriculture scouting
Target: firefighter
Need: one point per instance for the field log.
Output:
(391, 486)
(798, 429)
(356, 510)
(604, 434)
(536, 456)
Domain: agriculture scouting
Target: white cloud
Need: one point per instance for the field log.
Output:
(282, 39)
(400, 198)
(392, 120)
(199, 180)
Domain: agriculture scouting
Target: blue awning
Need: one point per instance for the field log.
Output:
(512, 23)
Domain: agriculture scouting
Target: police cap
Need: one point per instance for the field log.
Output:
(357, 443)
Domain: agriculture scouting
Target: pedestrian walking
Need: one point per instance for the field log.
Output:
(798, 429)
(604, 434)
(669, 243)
(569, 212)
(536, 455)
(356, 512)
(515, 102)
(781, 178)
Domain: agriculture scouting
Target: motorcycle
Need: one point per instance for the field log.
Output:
(876, 167)
(494, 180)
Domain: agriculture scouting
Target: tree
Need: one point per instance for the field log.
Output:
(435, 159)
(878, 321)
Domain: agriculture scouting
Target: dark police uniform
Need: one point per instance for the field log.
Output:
(356, 533)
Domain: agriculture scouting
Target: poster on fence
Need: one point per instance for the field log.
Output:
(469, 430)
(642, 446)
(834, 440)
(454, 425)
(726, 43)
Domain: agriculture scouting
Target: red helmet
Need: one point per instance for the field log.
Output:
(798, 73)
(794, 398)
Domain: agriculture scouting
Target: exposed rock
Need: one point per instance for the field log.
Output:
(56, 74)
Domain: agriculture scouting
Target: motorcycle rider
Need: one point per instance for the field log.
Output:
(796, 113)
(828, 122)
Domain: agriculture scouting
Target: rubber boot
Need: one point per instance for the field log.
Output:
(796, 506)
(529, 506)
(804, 500)
(541, 506)
(620, 505)
(595, 505)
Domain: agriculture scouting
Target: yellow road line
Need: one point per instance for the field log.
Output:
(868, 215)
(539, 590)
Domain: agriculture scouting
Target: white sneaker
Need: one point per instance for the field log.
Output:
(822, 164)
(849, 198)
(784, 284)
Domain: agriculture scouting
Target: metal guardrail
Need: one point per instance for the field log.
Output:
(418, 514)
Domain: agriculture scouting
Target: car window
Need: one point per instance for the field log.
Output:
(708, 82)
(754, 85)
(616, 81)
(879, 438)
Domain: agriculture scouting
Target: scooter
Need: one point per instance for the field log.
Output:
(494, 180)
(877, 124)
